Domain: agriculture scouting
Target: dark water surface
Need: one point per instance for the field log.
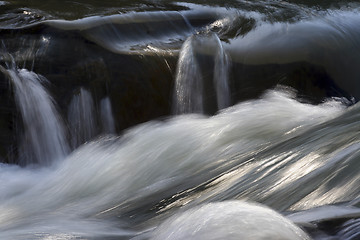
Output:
(174, 119)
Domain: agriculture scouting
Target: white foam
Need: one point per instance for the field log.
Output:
(228, 220)
(150, 159)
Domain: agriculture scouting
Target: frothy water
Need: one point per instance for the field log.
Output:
(112, 177)
(188, 176)
(44, 139)
(228, 220)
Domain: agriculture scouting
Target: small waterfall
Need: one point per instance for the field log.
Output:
(188, 95)
(82, 118)
(44, 140)
(221, 76)
(107, 119)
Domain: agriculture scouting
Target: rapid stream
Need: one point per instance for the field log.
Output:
(177, 120)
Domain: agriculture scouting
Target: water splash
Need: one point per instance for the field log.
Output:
(82, 118)
(107, 119)
(188, 97)
(44, 139)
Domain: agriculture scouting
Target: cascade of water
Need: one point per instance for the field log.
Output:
(44, 140)
(82, 118)
(221, 76)
(107, 119)
(228, 220)
(188, 95)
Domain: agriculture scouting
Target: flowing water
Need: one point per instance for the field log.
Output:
(188, 92)
(178, 120)
(107, 118)
(43, 140)
(221, 76)
(82, 118)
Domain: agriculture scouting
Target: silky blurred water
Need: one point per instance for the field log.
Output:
(203, 120)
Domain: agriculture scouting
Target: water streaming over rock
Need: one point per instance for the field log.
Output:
(188, 92)
(151, 163)
(82, 118)
(221, 75)
(229, 220)
(107, 118)
(43, 140)
(283, 73)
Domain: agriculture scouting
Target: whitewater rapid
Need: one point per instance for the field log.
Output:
(111, 176)
(271, 160)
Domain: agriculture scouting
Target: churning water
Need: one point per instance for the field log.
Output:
(172, 120)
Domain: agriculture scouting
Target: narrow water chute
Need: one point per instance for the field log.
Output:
(188, 92)
(107, 118)
(221, 75)
(82, 118)
(44, 140)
